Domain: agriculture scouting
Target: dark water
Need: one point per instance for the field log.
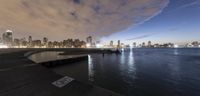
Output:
(148, 72)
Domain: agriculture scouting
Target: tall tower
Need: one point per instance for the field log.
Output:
(89, 39)
(134, 44)
(30, 40)
(118, 44)
(8, 37)
(149, 43)
(143, 44)
(45, 40)
(111, 43)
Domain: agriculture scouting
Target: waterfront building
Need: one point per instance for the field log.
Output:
(8, 37)
(111, 43)
(16, 43)
(118, 44)
(143, 44)
(50, 44)
(37, 43)
(149, 44)
(23, 43)
(89, 42)
(195, 44)
(134, 45)
(77, 43)
(68, 43)
(30, 41)
(45, 41)
(89, 39)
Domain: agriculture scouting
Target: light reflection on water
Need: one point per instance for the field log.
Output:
(131, 62)
(176, 51)
(90, 69)
(148, 72)
(145, 72)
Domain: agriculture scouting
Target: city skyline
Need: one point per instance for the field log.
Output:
(160, 21)
(8, 41)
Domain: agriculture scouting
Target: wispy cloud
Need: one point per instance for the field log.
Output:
(194, 3)
(142, 36)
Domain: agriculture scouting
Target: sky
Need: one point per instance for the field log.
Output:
(160, 21)
(178, 23)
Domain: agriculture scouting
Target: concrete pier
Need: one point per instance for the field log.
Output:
(54, 59)
(23, 77)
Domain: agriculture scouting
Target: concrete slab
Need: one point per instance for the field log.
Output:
(37, 81)
(21, 77)
(52, 56)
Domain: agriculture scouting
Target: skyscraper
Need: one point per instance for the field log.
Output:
(89, 39)
(8, 37)
(30, 39)
(143, 44)
(45, 40)
(134, 44)
(149, 44)
(111, 43)
(118, 44)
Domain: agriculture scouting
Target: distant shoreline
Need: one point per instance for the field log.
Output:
(69, 51)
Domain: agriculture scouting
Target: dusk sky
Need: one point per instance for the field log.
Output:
(178, 23)
(160, 21)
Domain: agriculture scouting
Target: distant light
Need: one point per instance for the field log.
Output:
(88, 45)
(99, 45)
(3, 46)
(176, 46)
(199, 46)
(9, 31)
(22, 46)
(122, 49)
(131, 46)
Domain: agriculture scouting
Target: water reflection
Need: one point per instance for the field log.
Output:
(127, 67)
(90, 69)
(143, 72)
(176, 52)
(122, 58)
(131, 62)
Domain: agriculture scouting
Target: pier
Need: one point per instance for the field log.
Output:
(21, 76)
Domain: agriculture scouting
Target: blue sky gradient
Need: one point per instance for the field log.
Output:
(179, 23)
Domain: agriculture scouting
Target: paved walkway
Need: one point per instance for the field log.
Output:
(21, 77)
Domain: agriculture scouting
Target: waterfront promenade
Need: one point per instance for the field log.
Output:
(23, 77)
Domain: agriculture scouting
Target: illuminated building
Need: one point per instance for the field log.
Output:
(118, 44)
(149, 44)
(134, 45)
(16, 42)
(143, 44)
(89, 39)
(37, 43)
(45, 41)
(111, 43)
(3, 45)
(8, 37)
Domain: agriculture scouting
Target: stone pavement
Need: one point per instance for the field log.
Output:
(21, 77)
